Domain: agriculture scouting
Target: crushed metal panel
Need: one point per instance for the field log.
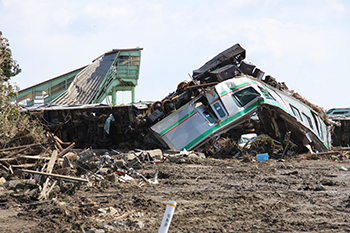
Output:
(287, 114)
(279, 121)
(280, 113)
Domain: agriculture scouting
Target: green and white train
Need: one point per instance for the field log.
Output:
(219, 108)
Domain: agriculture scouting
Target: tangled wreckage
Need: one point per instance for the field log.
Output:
(226, 97)
(229, 92)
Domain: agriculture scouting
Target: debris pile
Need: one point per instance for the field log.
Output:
(56, 167)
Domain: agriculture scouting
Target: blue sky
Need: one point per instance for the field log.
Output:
(304, 43)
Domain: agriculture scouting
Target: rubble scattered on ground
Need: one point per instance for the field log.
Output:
(59, 188)
(55, 167)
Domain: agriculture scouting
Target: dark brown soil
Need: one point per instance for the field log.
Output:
(212, 195)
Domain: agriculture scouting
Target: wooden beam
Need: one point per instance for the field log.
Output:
(55, 175)
(50, 166)
(24, 146)
(52, 161)
(37, 157)
(24, 165)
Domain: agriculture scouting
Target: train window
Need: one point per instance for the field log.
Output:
(316, 122)
(308, 120)
(244, 96)
(339, 112)
(266, 94)
(209, 116)
(219, 109)
(296, 112)
(321, 132)
(204, 110)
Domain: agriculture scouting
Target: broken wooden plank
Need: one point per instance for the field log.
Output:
(58, 139)
(66, 162)
(55, 175)
(37, 157)
(52, 161)
(4, 167)
(59, 146)
(24, 165)
(52, 186)
(61, 142)
(34, 157)
(24, 146)
(65, 151)
(328, 153)
(43, 193)
(17, 152)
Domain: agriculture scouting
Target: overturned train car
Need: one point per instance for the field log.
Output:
(239, 90)
(96, 125)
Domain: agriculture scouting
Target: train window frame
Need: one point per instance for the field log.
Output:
(308, 120)
(296, 112)
(317, 123)
(219, 109)
(339, 112)
(266, 94)
(207, 114)
(205, 110)
(240, 96)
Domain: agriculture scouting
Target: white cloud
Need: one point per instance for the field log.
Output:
(296, 41)
(101, 11)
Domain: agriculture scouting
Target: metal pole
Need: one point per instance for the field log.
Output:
(114, 96)
(133, 94)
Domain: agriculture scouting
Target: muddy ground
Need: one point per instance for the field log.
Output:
(212, 195)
